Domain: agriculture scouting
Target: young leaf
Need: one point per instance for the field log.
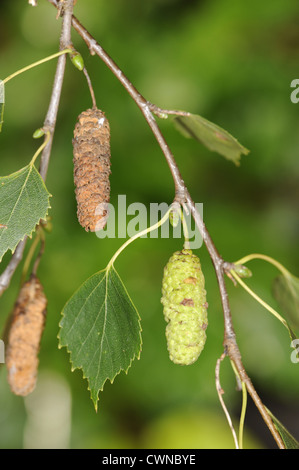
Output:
(101, 330)
(24, 201)
(1, 103)
(289, 441)
(285, 290)
(212, 136)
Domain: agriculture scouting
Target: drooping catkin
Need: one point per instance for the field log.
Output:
(185, 307)
(91, 151)
(24, 336)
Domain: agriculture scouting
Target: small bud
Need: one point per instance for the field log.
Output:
(242, 271)
(38, 133)
(174, 215)
(78, 61)
(162, 115)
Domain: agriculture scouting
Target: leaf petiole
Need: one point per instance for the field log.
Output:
(244, 405)
(40, 238)
(35, 64)
(262, 302)
(270, 260)
(40, 149)
(140, 234)
(176, 215)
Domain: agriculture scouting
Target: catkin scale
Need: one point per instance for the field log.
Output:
(185, 307)
(91, 158)
(24, 336)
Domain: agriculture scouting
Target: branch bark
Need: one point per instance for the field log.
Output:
(10, 269)
(51, 116)
(182, 196)
(49, 124)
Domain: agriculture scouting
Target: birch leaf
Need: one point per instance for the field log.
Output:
(24, 201)
(211, 136)
(101, 330)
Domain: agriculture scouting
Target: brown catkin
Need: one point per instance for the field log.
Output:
(91, 150)
(24, 336)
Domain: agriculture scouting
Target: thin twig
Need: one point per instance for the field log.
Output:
(220, 392)
(182, 196)
(10, 269)
(49, 125)
(141, 102)
(51, 116)
(91, 90)
(29, 257)
(163, 113)
(39, 255)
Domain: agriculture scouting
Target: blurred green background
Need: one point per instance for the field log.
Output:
(233, 63)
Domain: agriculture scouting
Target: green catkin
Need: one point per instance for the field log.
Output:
(185, 307)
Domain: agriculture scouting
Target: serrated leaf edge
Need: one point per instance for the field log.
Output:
(12, 250)
(136, 355)
(26, 235)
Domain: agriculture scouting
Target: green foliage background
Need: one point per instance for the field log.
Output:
(232, 62)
